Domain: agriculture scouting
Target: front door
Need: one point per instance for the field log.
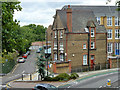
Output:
(92, 61)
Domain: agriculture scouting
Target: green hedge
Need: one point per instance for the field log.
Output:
(62, 77)
(8, 66)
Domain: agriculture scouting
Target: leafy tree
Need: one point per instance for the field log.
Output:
(9, 26)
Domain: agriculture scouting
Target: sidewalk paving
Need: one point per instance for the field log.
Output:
(27, 83)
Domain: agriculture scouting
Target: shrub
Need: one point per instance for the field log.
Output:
(61, 77)
(74, 76)
(47, 78)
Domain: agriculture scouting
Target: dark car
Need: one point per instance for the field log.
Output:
(44, 86)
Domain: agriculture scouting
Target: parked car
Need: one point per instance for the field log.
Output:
(38, 51)
(28, 52)
(21, 60)
(24, 56)
(44, 86)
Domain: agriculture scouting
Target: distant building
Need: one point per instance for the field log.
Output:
(37, 45)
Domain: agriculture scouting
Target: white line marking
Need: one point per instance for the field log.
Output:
(23, 71)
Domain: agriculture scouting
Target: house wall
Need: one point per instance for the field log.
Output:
(76, 51)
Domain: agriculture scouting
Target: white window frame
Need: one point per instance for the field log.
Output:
(55, 34)
(92, 45)
(92, 32)
(55, 56)
(61, 45)
(109, 47)
(55, 45)
(61, 34)
(109, 21)
(85, 60)
(61, 57)
(84, 46)
(109, 34)
(98, 20)
(116, 21)
(117, 33)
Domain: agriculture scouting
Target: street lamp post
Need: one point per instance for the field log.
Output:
(47, 50)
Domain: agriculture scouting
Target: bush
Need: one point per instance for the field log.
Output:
(63, 77)
(47, 78)
(74, 76)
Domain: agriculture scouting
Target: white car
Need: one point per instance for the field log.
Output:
(21, 60)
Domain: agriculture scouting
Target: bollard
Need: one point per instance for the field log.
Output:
(30, 77)
(109, 83)
(22, 76)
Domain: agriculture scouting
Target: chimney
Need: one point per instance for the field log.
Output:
(69, 18)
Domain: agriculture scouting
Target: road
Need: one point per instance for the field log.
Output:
(28, 67)
(94, 81)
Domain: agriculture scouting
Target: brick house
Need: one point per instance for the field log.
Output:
(77, 40)
(109, 17)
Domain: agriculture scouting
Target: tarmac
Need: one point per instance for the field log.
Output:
(30, 82)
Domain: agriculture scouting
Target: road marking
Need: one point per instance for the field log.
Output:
(100, 87)
(68, 87)
(23, 71)
(15, 68)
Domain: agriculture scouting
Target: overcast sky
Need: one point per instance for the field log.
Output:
(41, 12)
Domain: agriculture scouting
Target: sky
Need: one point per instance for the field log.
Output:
(41, 12)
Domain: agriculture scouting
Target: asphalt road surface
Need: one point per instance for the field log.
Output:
(28, 67)
(94, 82)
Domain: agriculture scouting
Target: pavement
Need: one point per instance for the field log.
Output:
(30, 82)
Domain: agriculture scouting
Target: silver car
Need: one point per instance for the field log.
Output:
(21, 60)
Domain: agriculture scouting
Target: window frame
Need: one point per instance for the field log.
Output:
(55, 45)
(117, 34)
(109, 47)
(61, 45)
(85, 59)
(55, 56)
(55, 34)
(92, 45)
(85, 46)
(61, 59)
(109, 21)
(92, 29)
(61, 34)
(109, 34)
(116, 21)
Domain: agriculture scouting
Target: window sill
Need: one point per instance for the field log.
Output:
(84, 48)
(93, 49)
(85, 65)
(117, 38)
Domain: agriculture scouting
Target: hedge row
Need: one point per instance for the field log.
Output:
(62, 77)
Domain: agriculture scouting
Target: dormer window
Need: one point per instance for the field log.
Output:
(92, 32)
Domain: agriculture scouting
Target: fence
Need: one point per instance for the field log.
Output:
(7, 66)
(93, 68)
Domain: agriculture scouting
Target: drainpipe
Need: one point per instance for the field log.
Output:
(88, 47)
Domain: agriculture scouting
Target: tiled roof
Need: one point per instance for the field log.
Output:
(80, 19)
(98, 10)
